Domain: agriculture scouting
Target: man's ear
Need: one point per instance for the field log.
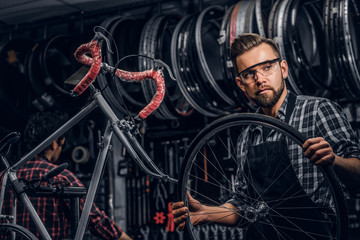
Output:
(284, 68)
(53, 145)
(240, 84)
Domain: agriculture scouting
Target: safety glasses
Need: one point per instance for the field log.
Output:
(265, 68)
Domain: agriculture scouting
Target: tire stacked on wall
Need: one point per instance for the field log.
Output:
(196, 46)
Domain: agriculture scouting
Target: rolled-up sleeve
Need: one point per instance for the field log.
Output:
(333, 126)
(102, 226)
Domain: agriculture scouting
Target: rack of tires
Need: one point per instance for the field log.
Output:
(319, 39)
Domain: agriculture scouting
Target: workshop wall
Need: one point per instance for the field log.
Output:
(320, 43)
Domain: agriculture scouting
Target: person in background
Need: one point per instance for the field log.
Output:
(261, 74)
(54, 212)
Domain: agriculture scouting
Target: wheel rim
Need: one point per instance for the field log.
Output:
(8, 230)
(213, 183)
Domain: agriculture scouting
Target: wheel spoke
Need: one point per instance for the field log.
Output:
(213, 163)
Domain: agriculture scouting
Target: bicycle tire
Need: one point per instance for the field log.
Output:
(208, 191)
(21, 233)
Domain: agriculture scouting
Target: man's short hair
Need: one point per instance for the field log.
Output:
(246, 42)
(40, 125)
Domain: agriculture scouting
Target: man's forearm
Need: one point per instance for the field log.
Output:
(226, 214)
(348, 171)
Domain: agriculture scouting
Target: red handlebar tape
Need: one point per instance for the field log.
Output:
(93, 48)
(160, 87)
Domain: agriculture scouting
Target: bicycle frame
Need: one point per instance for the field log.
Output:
(114, 125)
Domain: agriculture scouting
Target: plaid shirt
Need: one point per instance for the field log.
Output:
(55, 212)
(314, 117)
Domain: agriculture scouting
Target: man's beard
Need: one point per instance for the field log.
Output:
(266, 101)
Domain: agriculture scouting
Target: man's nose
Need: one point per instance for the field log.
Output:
(259, 77)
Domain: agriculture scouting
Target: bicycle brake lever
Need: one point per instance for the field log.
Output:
(161, 63)
(101, 36)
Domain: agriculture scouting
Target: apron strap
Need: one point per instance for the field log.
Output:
(289, 110)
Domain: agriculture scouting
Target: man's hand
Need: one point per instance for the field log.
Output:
(180, 212)
(319, 151)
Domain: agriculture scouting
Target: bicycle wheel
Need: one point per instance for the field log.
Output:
(13, 231)
(208, 174)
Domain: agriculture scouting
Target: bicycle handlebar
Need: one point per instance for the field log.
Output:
(93, 47)
(10, 138)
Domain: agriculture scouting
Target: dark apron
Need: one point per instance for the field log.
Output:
(270, 175)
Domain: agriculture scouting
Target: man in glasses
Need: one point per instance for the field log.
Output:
(53, 211)
(261, 74)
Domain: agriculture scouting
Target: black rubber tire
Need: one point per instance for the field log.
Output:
(209, 193)
(21, 233)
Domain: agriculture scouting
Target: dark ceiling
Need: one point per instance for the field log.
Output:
(13, 12)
